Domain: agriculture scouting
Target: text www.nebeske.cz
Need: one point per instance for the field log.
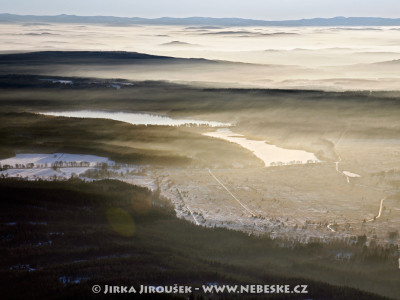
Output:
(207, 289)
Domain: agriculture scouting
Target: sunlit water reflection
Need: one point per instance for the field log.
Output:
(136, 118)
(271, 155)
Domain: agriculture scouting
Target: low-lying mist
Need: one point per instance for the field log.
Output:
(330, 58)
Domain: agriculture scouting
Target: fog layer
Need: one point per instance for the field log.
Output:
(348, 58)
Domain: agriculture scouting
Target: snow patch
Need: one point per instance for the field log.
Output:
(349, 174)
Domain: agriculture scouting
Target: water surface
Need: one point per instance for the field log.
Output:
(270, 154)
(136, 118)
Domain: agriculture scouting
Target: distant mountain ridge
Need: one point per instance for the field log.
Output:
(95, 57)
(200, 21)
(51, 55)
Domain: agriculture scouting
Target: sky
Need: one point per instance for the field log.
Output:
(253, 9)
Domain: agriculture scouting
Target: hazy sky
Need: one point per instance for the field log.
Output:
(256, 9)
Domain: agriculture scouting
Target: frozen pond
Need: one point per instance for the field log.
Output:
(271, 155)
(136, 118)
(47, 166)
(48, 159)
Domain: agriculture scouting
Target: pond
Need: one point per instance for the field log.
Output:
(136, 118)
(271, 155)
